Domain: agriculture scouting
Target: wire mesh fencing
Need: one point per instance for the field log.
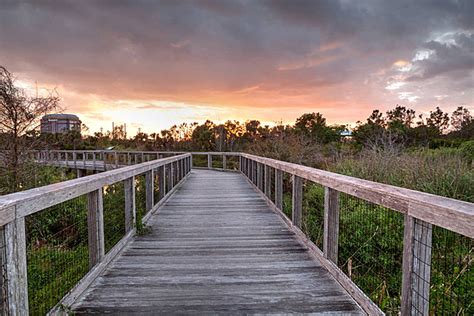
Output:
(452, 277)
(200, 161)
(57, 252)
(114, 214)
(370, 250)
(140, 201)
(232, 162)
(313, 212)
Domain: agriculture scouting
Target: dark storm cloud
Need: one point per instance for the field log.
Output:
(190, 50)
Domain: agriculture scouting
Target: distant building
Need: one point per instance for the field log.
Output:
(60, 123)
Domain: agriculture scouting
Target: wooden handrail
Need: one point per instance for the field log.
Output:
(454, 215)
(23, 203)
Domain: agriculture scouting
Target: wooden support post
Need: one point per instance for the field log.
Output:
(80, 173)
(171, 176)
(162, 181)
(95, 227)
(260, 176)
(279, 189)
(224, 162)
(297, 201)
(149, 184)
(209, 161)
(129, 185)
(129, 159)
(16, 278)
(331, 224)
(416, 267)
(93, 159)
(74, 157)
(143, 157)
(268, 182)
(116, 159)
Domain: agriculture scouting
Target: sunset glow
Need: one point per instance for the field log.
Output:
(155, 64)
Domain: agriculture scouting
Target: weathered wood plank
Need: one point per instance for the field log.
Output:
(95, 227)
(297, 201)
(215, 247)
(331, 224)
(149, 189)
(279, 189)
(130, 209)
(15, 267)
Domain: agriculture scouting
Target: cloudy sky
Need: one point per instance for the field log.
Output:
(152, 64)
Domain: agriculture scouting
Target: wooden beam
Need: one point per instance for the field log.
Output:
(268, 182)
(279, 189)
(149, 191)
(162, 182)
(331, 224)
(416, 267)
(15, 267)
(95, 227)
(209, 161)
(130, 210)
(224, 162)
(297, 201)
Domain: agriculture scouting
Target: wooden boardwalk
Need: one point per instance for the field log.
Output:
(215, 248)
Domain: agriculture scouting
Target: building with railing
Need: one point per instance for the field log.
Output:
(60, 123)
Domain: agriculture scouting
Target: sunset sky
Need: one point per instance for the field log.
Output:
(152, 64)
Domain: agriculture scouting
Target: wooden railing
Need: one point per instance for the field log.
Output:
(421, 212)
(15, 207)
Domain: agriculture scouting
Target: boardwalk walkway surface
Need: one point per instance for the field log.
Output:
(215, 248)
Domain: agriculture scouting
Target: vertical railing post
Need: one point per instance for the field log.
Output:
(416, 267)
(149, 184)
(74, 157)
(268, 182)
(331, 224)
(297, 201)
(93, 159)
(15, 269)
(259, 176)
(116, 159)
(171, 176)
(209, 161)
(95, 227)
(130, 210)
(162, 181)
(224, 162)
(279, 189)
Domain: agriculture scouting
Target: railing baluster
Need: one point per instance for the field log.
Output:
(259, 176)
(162, 181)
(149, 183)
(224, 162)
(268, 182)
(297, 201)
(331, 224)
(95, 227)
(15, 267)
(129, 186)
(416, 267)
(209, 161)
(279, 189)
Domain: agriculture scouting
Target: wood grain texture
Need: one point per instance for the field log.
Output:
(451, 214)
(331, 224)
(215, 248)
(297, 201)
(95, 227)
